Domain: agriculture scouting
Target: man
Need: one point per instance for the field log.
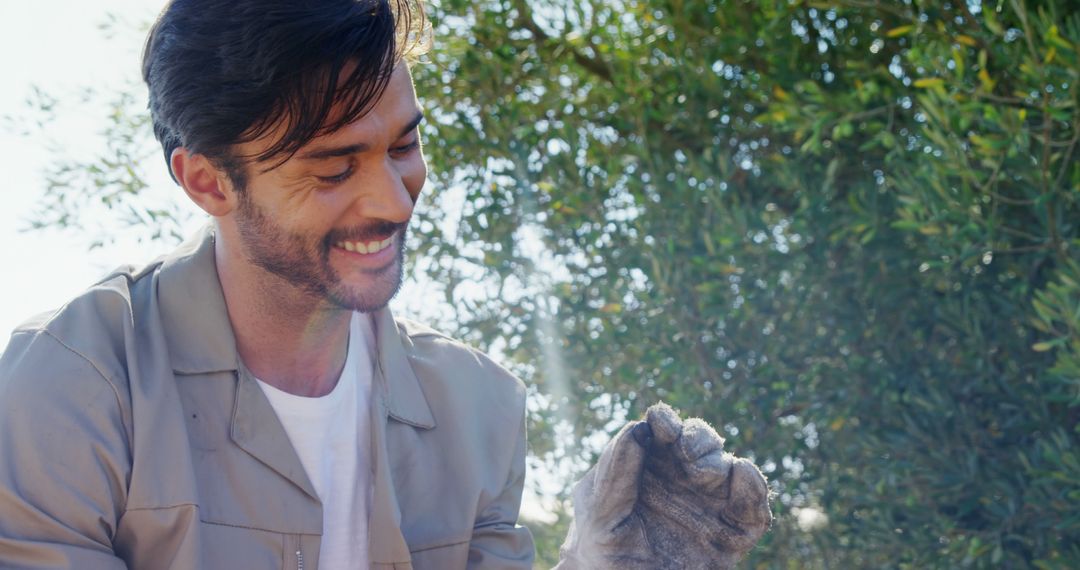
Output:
(248, 401)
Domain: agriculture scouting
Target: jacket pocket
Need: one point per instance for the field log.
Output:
(227, 547)
(452, 555)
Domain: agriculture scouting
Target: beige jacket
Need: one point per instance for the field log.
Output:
(131, 436)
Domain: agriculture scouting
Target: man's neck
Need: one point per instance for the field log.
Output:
(285, 337)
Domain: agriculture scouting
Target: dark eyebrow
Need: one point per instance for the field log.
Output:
(338, 151)
(419, 118)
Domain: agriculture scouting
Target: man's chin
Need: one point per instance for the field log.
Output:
(365, 299)
(359, 307)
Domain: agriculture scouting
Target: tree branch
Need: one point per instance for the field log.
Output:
(526, 20)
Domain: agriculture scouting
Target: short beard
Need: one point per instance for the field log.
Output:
(305, 263)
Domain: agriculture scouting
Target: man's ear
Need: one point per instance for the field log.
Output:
(206, 185)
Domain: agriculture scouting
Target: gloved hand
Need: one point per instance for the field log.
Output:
(664, 495)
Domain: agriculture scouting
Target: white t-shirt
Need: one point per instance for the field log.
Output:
(331, 434)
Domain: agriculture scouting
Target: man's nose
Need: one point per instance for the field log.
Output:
(384, 194)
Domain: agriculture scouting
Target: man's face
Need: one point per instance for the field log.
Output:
(331, 220)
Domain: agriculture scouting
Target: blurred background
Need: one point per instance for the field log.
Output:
(847, 233)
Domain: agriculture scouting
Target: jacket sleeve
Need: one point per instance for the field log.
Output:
(64, 458)
(498, 541)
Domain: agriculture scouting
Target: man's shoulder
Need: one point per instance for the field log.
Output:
(105, 301)
(421, 337)
(105, 315)
(440, 358)
(94, 324)
(423, 341)
(116, 292)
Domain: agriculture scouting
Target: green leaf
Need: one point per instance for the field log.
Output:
(899, 31)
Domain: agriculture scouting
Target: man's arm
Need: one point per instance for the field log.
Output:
(497, 540)
(64, 458)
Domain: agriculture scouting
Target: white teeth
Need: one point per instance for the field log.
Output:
(367, 248)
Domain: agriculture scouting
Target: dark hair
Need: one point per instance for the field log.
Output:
(224, 72)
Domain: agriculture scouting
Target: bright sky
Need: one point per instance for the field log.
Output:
(59, 47)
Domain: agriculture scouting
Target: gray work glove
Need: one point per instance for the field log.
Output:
(664, 495)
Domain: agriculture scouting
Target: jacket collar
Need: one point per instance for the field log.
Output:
(193, 309)
(201, 340)
(406, 402)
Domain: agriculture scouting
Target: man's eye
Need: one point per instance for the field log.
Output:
(406, 148)
(336, 178)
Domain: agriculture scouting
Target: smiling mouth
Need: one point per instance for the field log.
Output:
(365, 247)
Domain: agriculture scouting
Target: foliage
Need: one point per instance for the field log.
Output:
(847, 231)
(548, 538)
(844, 231)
